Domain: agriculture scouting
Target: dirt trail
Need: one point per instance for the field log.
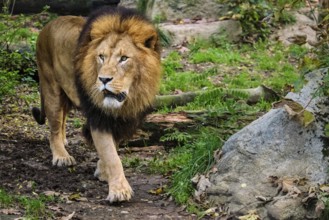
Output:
(25, 168)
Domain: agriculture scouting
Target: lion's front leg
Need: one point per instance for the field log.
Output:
(109, 167)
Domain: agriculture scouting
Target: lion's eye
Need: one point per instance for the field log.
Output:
(123, 58)
(101, 57)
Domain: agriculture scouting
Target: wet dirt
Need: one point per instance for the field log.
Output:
(26, 169)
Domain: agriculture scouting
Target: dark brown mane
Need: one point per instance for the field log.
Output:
(123, 13)
(120, 127)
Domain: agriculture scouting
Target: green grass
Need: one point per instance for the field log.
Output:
(217, 55)
(34, 207)
(240, 66)
(184, 82)
(5, 199)
(184, 162)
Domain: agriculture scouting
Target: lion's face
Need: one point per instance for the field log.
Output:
(116, 65)
(119, 65)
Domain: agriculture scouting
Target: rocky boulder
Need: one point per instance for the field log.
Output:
(271, 164)
(180, 33)
(180, 9)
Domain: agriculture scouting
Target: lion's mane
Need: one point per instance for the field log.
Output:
(120, 122)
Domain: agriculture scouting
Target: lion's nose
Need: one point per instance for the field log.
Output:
(105, 80)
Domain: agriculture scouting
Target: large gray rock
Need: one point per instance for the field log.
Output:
(302, 28)
(190, 32)
(180, 9)
(273, 145)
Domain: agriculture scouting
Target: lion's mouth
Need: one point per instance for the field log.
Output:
(120, 97)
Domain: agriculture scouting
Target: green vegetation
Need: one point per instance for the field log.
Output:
(239, 66)
(195, 156)
(5, 199)
(33, 207)
(227, 66)
(215, 66)
(257, 17)
(18, 36)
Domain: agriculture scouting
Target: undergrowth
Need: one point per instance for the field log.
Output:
(196, 157)
(34, 207)
(17, 48)
(224, 109)
(226, 66)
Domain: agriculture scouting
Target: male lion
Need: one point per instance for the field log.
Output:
(108, 66)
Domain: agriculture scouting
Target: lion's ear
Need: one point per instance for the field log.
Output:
(151, 42)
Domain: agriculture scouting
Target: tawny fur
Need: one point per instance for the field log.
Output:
(69, 64)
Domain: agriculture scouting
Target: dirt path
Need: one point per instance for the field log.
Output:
(25, 169)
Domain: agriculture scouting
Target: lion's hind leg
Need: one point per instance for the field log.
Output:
(56, 107)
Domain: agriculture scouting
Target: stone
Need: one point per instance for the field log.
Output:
(179, 9)
(278, 146)
(286, 209)
(180, 33)
(302, 27)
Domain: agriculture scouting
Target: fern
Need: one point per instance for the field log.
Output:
(205, 75)
(176, 135)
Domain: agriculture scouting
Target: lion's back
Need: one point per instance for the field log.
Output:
(56, 47)
(59, 36)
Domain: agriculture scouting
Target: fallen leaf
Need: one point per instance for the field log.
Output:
(202, 183)
(82, 199)
(74, 196)
(307, 118)
(157, 191)
(51, 193)
(55, 208)
(70, 216)
(296, 111)
(10, 211)
(298, 39)
(288, 185)
(324, 188)
(218, 155)
(252, 215)
(290, 111)
(211, 210)
(264, 199)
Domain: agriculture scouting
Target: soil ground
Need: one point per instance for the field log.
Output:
(26, 169)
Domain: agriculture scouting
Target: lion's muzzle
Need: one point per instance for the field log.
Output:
(120, 97)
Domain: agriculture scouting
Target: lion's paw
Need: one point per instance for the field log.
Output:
(120, 192)
(63, 161)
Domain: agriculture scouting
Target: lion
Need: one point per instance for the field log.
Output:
(108, 66)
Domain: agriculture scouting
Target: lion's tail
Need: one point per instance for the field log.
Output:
(39, 115)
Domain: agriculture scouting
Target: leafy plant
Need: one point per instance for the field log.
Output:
(223, 108)
(257, 17)
(35, 208)
(5, 199)
(252, 14)
(199, 158)
(8, 81)
(17, 48)
(176, 135)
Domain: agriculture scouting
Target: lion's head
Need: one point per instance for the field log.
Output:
(118, 69)
(118, 61)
